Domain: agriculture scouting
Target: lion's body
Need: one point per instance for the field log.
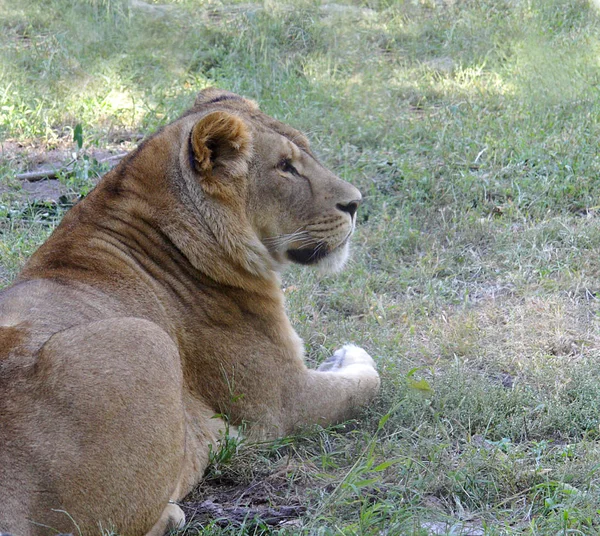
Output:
(154, 306)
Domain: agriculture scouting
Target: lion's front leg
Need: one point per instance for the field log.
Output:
(334, 392)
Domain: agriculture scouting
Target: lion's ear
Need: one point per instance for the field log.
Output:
(220, 141)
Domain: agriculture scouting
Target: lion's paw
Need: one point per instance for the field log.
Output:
(346, 356)
(176, 517)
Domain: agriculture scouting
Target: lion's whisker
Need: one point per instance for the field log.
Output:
(283, 240)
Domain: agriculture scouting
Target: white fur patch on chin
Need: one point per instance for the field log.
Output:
(335, 261)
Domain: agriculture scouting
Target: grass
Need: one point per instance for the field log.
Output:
(472, 129)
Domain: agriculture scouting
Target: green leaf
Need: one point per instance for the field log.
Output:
(385, 465)
(364, 483)
(420, 385)
(383, 420)
(78, 135)
(412, 371)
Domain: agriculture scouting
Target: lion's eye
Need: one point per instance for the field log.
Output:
(287, 167)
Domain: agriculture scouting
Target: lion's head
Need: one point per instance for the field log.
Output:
(299, 209)
(260, 188)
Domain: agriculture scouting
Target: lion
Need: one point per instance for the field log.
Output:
(155, 306)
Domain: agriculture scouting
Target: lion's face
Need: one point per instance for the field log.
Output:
(300, 211)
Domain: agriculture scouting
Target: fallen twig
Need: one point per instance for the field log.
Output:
(33, 176)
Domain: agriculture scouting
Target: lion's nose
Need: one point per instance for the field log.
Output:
(350, 207)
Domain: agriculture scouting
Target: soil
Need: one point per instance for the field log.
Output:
(275, 500)
(38, 159)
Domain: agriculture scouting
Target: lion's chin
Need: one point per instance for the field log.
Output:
(326, 261)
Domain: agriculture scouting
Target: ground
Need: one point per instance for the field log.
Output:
(472, 128)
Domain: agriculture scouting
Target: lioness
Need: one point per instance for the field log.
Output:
(154, 306)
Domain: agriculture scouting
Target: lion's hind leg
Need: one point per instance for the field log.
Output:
(108, 398)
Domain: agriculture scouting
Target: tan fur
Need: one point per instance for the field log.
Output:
(155, 305)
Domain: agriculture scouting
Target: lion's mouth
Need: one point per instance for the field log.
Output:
(308, 255)
(313, 255)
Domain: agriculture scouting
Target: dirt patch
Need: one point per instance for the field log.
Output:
(276, 500)
(37, 156)
(46, 191)
(37, 165)
(225, 515)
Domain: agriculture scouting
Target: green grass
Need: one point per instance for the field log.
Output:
(472, 128)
